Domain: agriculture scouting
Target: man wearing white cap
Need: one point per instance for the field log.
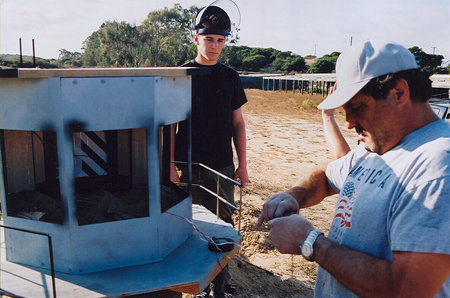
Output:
(390, 235)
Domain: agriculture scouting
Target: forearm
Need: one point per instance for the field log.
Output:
(361, 273)
(240, 143)
(333, 135)
(409, 274)
(312, 189)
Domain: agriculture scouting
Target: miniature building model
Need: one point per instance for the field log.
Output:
(85, 158)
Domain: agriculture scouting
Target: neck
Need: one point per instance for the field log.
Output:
(419, 116)
(201, 60)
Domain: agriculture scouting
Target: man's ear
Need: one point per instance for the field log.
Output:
(401, 91)
(196, 39)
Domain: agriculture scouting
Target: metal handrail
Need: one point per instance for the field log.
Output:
(50, 250)
(218, 197)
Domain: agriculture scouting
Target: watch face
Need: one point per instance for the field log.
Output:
(307, 251)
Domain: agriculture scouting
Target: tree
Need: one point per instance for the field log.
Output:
(163, 39)
(325, 64)
(298, 64)
(234, 55)
(288, 61)
(167, 35)
(92, 55)
(67, 58)
(428, 62)
(254, 63)
(120, 44)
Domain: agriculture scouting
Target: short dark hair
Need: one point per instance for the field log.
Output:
(418, 81)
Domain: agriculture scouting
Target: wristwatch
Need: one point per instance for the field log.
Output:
(307, 246)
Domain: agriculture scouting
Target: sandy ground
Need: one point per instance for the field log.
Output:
(284, 141)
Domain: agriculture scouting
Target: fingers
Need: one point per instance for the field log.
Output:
(242, 180)
(287, 233)
(285, 208)
(279, 205)
(263, 217)
(242, 175)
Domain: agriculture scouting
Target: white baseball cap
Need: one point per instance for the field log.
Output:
(360, 63)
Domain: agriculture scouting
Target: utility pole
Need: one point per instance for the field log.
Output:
(434, 48)
(315, 49)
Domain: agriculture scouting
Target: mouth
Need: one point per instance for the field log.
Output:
(361, 132)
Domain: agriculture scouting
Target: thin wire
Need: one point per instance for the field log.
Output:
(188, 221)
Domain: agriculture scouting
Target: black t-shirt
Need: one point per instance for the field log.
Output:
(214, 98)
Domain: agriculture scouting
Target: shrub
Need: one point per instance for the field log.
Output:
(308, 104)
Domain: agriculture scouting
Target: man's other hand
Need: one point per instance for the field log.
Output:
(289, 232)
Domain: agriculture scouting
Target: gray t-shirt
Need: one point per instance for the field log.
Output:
(399, 201)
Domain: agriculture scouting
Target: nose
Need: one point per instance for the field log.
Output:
(351, 120)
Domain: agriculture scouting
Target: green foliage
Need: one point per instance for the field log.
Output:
(296, 63)
(325, 64)
(166, 34)
(93, 53)
(288, 61)
(163, 39)
(428, 62)
(120, 44)
(233, 55)
(70, 59)
(308, 104)
(254, 63)
(27, 62)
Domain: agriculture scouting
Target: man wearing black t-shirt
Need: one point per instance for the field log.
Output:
(216, 116)
(217, 120)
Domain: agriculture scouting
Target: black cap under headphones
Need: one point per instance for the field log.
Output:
(214, 20)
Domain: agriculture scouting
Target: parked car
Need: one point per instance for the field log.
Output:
(441, 107)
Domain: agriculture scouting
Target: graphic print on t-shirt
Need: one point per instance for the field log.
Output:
(344, 210)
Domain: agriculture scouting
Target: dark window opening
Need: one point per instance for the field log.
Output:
(30, 173)
(111, 175)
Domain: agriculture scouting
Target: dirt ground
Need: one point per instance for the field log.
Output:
(284, 140)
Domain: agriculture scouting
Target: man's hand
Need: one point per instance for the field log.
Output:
(289, 232)
(281, 204)
(174, 177)
(242, 174)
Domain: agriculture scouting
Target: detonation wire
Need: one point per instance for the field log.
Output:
(205, 236)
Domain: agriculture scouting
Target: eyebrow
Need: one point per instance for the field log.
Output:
(219, 39)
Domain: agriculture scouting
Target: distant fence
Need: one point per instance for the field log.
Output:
(305, 83)
(321, 83)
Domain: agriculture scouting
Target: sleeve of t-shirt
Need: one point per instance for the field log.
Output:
(338, 170)
(420, 220)
(239, 97)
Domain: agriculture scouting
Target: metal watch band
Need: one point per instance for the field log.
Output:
(307, 246)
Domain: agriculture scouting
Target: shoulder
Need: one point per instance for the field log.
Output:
(432, 140)
(189, 64)
(227, 69)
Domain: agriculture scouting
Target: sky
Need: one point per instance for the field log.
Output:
(305, 27)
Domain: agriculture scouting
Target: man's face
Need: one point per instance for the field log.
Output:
(209, 47)
(375, 121)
